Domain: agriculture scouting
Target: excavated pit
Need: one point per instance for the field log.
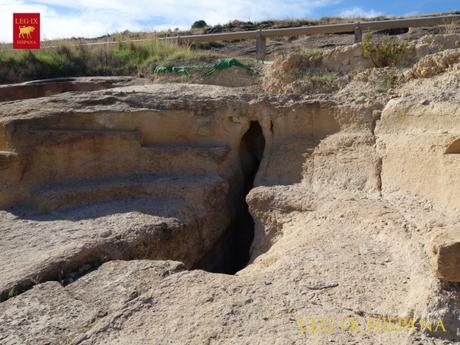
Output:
(54, 86)
(231, 223)
(356, 211)
(233, 253)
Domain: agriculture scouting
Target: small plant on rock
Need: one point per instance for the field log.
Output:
(315, 53)
(389, 81)
(387, 52)
(12, 293)
(324, 77)
(451, 27)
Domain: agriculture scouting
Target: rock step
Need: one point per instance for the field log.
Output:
(49, 87)
(58, 155)
(83, 192)
(101, 239)
(189, 158)
(6, 158)
(49, 136)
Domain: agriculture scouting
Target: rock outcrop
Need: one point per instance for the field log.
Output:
(49, 87)
(125, 215)
(446, 249)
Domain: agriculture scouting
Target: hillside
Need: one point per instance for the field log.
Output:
(119, 56)
(311, 199)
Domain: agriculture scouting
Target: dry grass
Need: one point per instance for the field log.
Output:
(116, 56)
(65, 59)
(451, 27)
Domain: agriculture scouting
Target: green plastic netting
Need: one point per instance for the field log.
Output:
(206, 70)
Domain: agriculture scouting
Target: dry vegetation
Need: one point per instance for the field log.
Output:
(387, 51)
(119, 56)
(65, 60)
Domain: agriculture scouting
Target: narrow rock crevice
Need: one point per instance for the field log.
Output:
(60, 273)
(230, 255)
(233, 252)
(379, 165)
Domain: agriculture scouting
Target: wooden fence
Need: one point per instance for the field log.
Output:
(261, 35)
(357, 28)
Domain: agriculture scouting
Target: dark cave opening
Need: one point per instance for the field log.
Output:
(233, 253)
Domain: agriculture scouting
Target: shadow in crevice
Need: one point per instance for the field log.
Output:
(233, 252)
(454, 147)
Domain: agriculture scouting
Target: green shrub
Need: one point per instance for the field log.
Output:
(388, 82)
(387, 52)
(199, 24)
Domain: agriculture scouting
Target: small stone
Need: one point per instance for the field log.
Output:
(425, 102)
(445, 246)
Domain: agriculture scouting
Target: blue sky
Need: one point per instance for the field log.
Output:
(91, 18)
(393, 7)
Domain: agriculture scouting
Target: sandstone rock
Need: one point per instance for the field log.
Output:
(432, 44)
(446, 249)
(43, 88)
(53, 314)
(344, 190)
(427, 171)
(434, 64)
(298, 73)
(346, 59)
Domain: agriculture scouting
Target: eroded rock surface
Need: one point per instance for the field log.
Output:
(446, 249)
(354, 202)
(48, 87)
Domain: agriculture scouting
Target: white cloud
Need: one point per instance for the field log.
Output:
(359, 12)
(91, 18)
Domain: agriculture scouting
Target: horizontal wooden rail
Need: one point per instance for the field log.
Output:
(356, 28)
(261, 35)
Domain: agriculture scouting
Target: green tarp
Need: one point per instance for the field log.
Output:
(206, 70)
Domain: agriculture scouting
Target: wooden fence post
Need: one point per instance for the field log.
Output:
(358, 33)
(260, 45)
